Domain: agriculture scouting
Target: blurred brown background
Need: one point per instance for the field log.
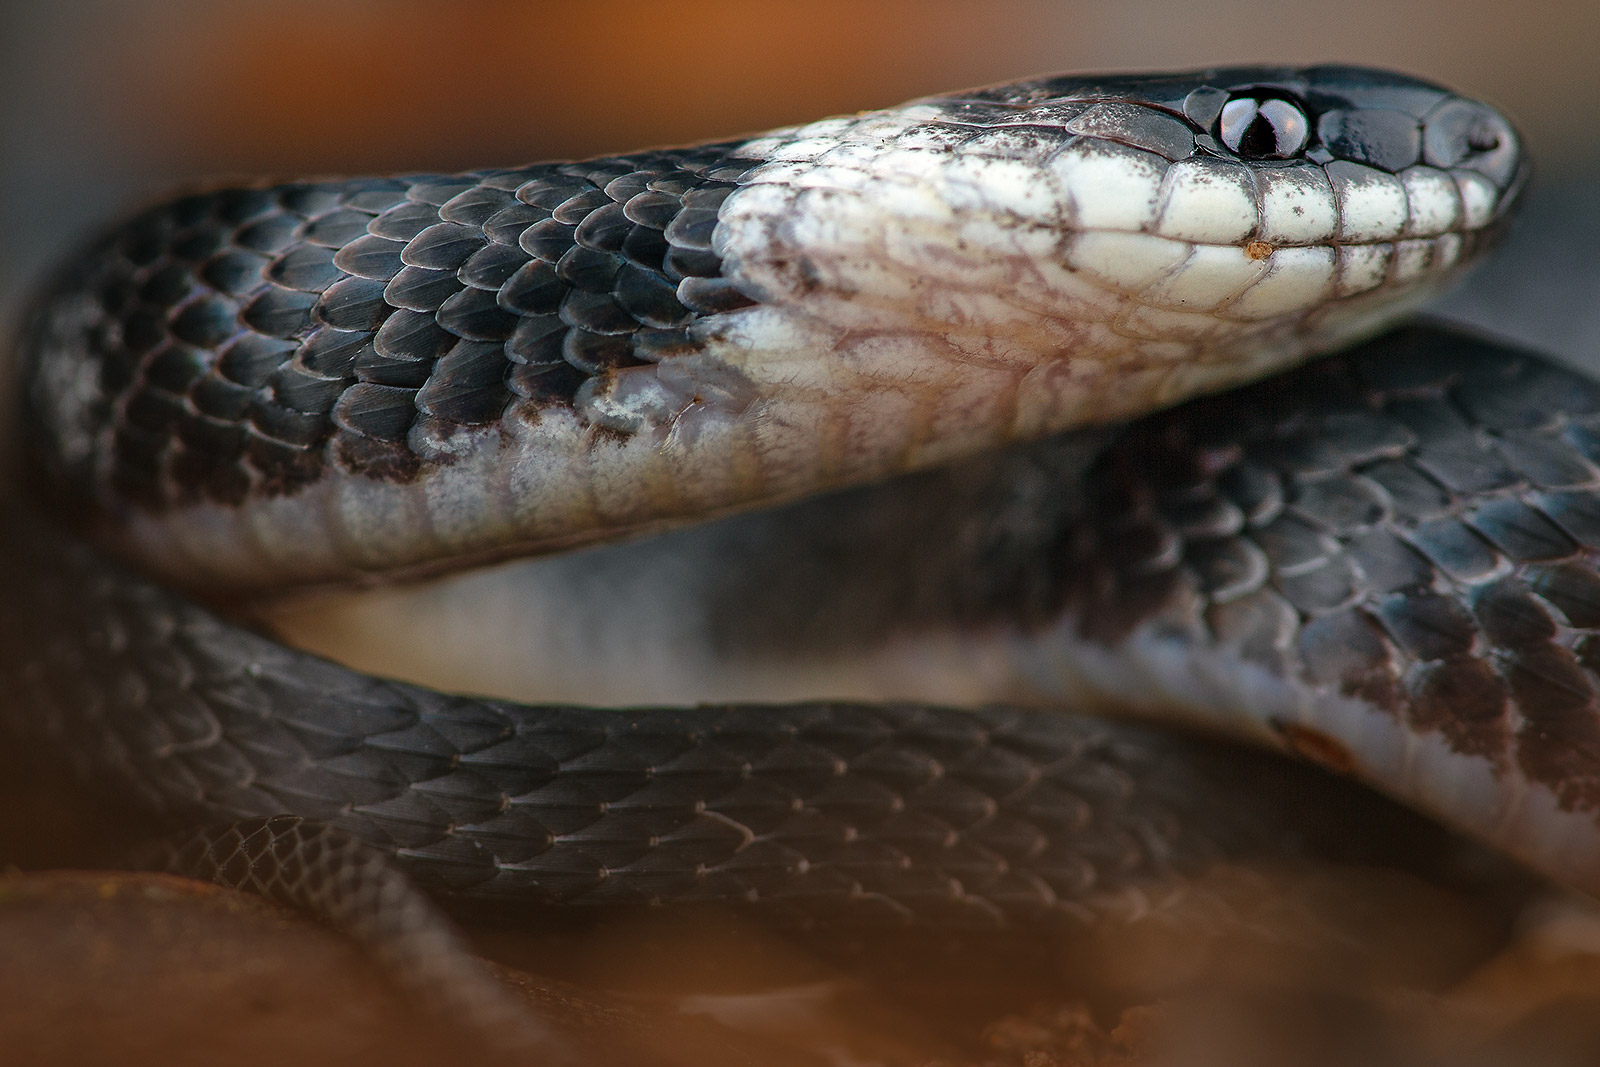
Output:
(104, 103)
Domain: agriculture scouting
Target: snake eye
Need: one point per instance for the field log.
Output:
(1258, 127)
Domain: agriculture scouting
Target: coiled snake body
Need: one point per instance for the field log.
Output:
(1384, 560)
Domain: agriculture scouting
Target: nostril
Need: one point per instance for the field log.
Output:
(1463, 133)
(1483, 137)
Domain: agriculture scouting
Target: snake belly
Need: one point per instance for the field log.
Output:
(315, 380)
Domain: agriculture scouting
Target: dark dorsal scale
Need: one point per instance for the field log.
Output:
(268, 324)
(1412, 525)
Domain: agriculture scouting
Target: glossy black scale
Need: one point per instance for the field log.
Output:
(288, 317)
(811, 815)
(1433, 543)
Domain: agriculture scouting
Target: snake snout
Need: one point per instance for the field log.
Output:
(1475, 138)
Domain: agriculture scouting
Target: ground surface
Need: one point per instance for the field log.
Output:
(1321, 969)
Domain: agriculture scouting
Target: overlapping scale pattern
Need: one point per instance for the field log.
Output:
(817, 813)
(238, 332)
(1415, 526)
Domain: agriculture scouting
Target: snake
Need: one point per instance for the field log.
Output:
(916, 348)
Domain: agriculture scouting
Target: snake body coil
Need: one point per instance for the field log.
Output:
(314, 380)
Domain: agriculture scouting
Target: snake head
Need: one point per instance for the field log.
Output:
(1119, 242)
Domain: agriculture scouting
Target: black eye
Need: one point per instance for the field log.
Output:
(1263, 128)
